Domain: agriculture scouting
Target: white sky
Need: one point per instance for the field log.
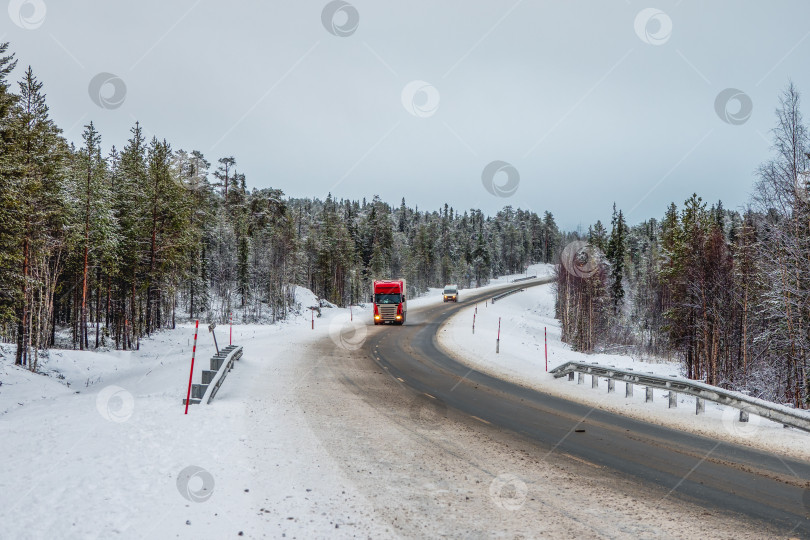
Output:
(566, 92)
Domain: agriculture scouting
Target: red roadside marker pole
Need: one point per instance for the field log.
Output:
(351, 315)
(191, 374)
(313, 318)
(545, 340)
(473, 323)
(230, 337)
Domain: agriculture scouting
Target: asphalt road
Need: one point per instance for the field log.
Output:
(717, 475)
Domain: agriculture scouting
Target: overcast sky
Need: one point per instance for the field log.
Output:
(584, 103)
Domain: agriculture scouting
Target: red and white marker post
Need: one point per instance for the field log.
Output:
(545, 341)
(473, 323)
(351, 315)
(313, 317)
(191, 374)
(230, 337)
(498, 341)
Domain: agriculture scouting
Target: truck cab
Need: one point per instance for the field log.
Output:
(390, 304)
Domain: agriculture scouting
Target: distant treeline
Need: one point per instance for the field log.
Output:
(109, 245)
(727, 291)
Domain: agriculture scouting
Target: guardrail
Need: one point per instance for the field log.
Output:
(701, 391)
(524, 279)
(212, 379)
(505, 294)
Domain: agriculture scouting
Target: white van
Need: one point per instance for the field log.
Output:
(450, 293)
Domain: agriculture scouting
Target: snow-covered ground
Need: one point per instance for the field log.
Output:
(306, 439)
(97, 445)
(525, 315)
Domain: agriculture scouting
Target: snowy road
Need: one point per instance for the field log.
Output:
(652, 465)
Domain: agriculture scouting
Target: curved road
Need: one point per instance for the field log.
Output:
(715, 474)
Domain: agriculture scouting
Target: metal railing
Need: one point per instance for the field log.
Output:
(524, 279)
(212, 379)
(505, 294)
(224, 363)
(701, 391)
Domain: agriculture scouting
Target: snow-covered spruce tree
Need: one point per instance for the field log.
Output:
(616, 253)
(97, 234)
(40, 154)
(191, 170)
(10, 202)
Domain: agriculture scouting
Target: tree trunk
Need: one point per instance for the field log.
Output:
(22, 328)
(98, 305)
(83, 317)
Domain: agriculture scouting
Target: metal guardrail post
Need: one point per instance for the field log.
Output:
(611, 386)
(505, 294)
(594, 381)
(220, 364)
(628, 389)
(701, 391)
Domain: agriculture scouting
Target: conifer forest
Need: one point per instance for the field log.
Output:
(101, 246)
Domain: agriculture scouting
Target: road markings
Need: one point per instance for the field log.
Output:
(479, 419)
(431, 397)
(585, 461)
(400, 380)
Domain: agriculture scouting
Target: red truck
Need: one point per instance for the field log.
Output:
(389, 301)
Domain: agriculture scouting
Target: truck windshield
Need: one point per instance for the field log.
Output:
(387, 298)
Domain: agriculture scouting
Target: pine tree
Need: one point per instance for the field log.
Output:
(551, 236)
(168, 232)
(41, 153)
(98, 226)
(597, 236)
(10, 203)
(223, 174)
(129, 210)
(616, 253)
